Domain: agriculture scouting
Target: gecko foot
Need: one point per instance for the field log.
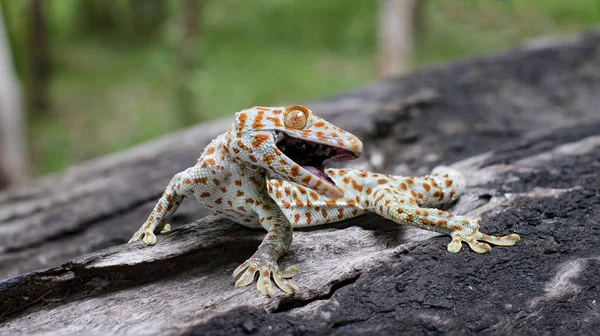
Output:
(266, 269)
(147, 236)
(472, 238)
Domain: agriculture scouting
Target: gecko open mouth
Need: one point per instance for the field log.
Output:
(311, 155)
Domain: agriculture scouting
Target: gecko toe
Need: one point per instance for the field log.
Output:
(266, 270)
(289, 272)
(166, 228)
(149, 238)
(284, 285)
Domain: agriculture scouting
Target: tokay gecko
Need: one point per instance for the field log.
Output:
(267, 171)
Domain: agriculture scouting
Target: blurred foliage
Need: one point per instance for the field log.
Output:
(113, 80)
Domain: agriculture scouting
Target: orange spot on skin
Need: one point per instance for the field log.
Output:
(382, 181)
(159, 207)
(440, 212)
(400, 211)
(205, 194)
(269, 158)
(448, 183)
(324, 213)
(342, 172)
(242, 117)
(418, 212)
(249, 201)
(314, 195)
(409, 218)
(369, 191)
(239, 193)
(308, 217)
(427, 187)
(286, 204)
(351, 203)
(319, 124)
(278, 194)
(168, 197)
(257, 124)
(296, 218)
(252, 158)
(425, 213)
(357, 186)
(403, 186)
(259, 140)
(299, 203)
(223, 189)
(442, 222)
(306, 179)
(216, 182)
(200, 180)
(210, 162)
(219, 200)
(331, 203)
(276, 122)
(410, 180)
(295, 170)
(362, 174)
(413, 193)
(210, 150)
(340, 213)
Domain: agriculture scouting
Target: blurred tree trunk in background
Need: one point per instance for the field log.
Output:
(186, 60)
(39, 58)
(398, 23)
(13, 155)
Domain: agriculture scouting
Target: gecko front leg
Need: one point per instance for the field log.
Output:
(264, 261)
(164, 208)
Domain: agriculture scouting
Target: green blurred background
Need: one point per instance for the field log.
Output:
(118, 72)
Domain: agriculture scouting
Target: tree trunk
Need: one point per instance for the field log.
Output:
(185, 62)
(13, 153)
(397, 26)
(39, 57)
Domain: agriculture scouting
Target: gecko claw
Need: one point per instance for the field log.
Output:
(266, 269)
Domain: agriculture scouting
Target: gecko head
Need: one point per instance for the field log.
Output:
(294, 143)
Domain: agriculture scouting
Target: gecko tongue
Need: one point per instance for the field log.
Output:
(319, 173)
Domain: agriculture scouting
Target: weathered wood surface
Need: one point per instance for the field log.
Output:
(524, 127)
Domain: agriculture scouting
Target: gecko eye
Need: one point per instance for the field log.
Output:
(295, 119)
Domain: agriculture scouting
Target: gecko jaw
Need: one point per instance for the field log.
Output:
(311, 155)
